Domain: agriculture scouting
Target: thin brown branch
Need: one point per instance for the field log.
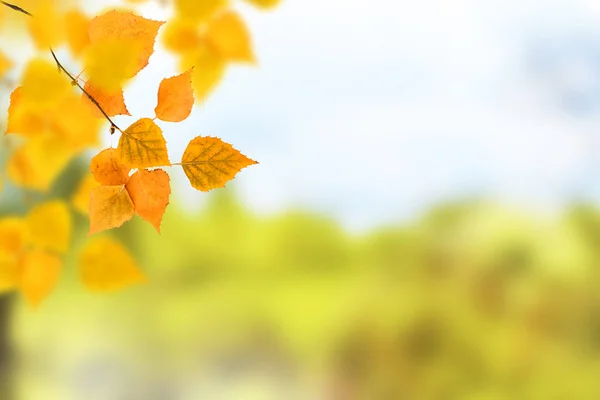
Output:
(75, 81)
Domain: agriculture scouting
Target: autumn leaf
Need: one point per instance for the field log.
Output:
(150, 192)
(209, 163)
(50, 226)
(79, 128)
(76, 25)
(37, 163)
(181, 35)
(122, 26)
(112, 102)
(110, 207)
(9, 271)
(209, 69)
(81, 197)
(106, 265)
(46, 25)
(142, 145)
(265, 3)
(228, 34)
(199, 10)
(110, 63)
(175, 98)
(43, 85)
(21, 117)
(13, 234)
(107, 168)
(38, 276)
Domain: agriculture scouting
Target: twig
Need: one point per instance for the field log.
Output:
(113, 126)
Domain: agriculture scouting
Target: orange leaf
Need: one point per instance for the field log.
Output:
(112, 102)
(108, 169)
(150, 192)
(106, 265)
(175, 98)
(13, 234)
(123, 25)
(9, 272)
(110, 207)
(209, 69)
(39, 274)
(142, 145)
(210, 163)
(229, 35)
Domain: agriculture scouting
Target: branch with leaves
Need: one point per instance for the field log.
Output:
(56, 124)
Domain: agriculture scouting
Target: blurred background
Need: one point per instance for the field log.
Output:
(424, 222)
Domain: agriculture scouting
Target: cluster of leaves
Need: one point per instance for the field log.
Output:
(58, 115)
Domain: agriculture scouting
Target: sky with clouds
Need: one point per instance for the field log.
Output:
(373, 111)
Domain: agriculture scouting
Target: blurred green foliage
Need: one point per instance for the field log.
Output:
(471, 301)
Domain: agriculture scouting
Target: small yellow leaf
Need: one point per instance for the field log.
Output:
(5, 65)
(79, 127)
(209, 163)
(181, 35)
(111, 62)
(266, 4)
(9, 272)
(81, 198)
(46, 25)
(50, 226)
(39, 275)
(37, 163)
(150, 192)
(13, 235)
(112, 102)
(197, 11)
(175, 98)
(106, 265)
(108, 169)
(122, 26)
(76, 25)
(228, 34)
(21, 117)
(209, 69)
(43, 84)
(110, 207)
(142, 145)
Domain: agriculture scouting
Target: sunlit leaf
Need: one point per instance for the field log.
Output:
(110, 207)
(9, 271)
(112, 102)
(43, 85)
(39, 272)
(228, 34)
(209, 163)
(181, 35)
(46, 24)
(150, 192)
(111, 62)
(106, 265)
(81, 197)
(13, 234)
(50, 226)
(142, 145)
(198, 10)
(5, 64)
(107, 168)
(76, 25)
(175, 98)
(209, 69)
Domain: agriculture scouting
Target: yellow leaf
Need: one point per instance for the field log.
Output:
(112, 102)
(110, 207)
(76, 25)
(181, 35)
(209, 69)
(195, 10)
(175, 98)
(150, 192)
(50, 226)
(110, 62)
(5, 65)
(210, 163)
(9, 272)
(81, 198)
(43, 85)
(46, 25)
(21, 117)
(108, 169)
(126, 27)
(106, 265)
(265, 3)
(37, 163)
(79, 128)
(13, 235)
(142, 145)
(228, 34)
(39, 274)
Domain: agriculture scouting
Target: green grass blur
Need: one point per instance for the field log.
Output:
(471, 301)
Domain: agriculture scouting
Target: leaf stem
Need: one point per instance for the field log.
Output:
(113, 126)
